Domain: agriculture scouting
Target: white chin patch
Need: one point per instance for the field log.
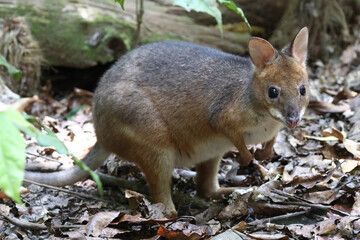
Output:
(276, 114)
(302, 112)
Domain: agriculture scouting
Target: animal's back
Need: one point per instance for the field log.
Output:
(170, 91)
(172, 65)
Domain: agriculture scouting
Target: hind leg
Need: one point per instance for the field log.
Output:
(158, 173)
(207, 181)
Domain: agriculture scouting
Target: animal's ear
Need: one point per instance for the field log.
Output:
(298, 48)
(261, 52)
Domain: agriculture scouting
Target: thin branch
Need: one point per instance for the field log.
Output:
(263, 221)
(23, 223)
(82, 195)
(44, 157)
(139, 20)
(305, 203)
(34, 226)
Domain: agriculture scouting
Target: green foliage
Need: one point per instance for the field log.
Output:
(207, 6)
(71, 37)
(50, 139)
(93, 175)
(11, 69)
(73, 112)
(12, 150)
(210, 7)
(232, 6)
(121, 2)
(12, 155)
(44, 140)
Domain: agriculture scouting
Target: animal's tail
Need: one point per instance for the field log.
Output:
(93, 160)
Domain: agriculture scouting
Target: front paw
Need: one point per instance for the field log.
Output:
(245, 159)
(262, 154)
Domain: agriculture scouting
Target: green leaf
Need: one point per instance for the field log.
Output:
(12, 150)
(50, 139)
(73, 112)
(12, 158)
(11, 69)
(93, 174)
(232, 6)
(45, 140)
(207, 6)
(121, 2)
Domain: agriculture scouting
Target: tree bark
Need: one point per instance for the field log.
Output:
(328, 22)
(84, 33)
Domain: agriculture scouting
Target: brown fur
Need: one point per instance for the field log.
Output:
(174, 104)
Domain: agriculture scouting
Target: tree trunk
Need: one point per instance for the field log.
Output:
(84, 33)
(23, 52)
(327, 20)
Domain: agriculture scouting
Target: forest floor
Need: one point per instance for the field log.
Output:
(309, 189)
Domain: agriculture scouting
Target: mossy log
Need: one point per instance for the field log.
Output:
(84, 33)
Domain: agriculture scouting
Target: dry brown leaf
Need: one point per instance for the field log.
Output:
(112, 232)
(137, 202)
(324, 197)
(344, 94)
(267, 236)
(349, 165)
(302, 230)
(353, 147)
(325, 227)
(124, 218)
(214, 225)
(282, 147)
(325, 107)
(99, 222)
(356, 206)
(241, 226)
(22, 191)
(270, 209)
(237, 208)
(333, 134)
(264, 171)
(307, 180)
(286, 176)
(350, 145)
(108, 224)
(184, 231)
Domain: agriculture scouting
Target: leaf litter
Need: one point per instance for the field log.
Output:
(309, 189)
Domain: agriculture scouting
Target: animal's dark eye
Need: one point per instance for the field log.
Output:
(273, 92)
(302, 90)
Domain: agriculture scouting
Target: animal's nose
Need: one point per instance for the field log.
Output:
(292, 120)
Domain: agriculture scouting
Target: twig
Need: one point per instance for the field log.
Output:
(45, 157)
(83, 195)
(139, 20)
(261, 222)
(34, 226)
(303, 202)
(23, 223)
(67, 226)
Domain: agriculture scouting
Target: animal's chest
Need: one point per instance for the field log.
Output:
(212, 148)
(218, 146)
(263, 132)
